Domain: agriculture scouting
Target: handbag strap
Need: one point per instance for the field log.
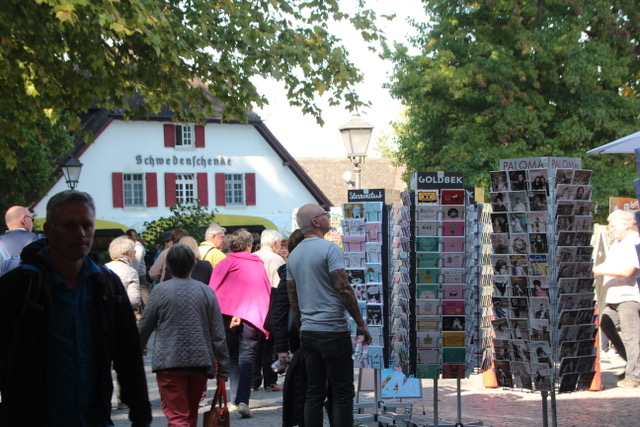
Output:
(220, 398)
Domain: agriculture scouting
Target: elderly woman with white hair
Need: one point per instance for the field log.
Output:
(122, 252)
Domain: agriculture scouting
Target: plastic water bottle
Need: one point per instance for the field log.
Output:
(357, 350)
(278, 366)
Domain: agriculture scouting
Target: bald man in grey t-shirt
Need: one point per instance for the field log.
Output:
(322, 299)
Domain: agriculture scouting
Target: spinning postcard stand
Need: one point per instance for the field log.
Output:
(538, 287)
(443, 294)
(364, 243)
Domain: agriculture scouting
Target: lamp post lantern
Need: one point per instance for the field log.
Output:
(71, 170)
(356, 134)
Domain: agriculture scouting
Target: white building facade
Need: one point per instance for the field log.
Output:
(137, 170)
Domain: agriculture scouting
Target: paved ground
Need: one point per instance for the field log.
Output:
(493, 407)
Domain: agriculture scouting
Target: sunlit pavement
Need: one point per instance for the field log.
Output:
(612, 406)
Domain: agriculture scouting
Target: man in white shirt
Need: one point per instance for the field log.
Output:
(620, 320)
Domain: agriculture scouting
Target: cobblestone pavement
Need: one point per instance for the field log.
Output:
(493, 407)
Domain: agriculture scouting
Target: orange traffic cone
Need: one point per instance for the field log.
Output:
(489, 379)
(596, 383)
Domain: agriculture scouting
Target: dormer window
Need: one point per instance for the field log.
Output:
(185, 136)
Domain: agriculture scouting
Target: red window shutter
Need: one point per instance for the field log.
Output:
(117, 189)
(220, 189)
(152, 189)
(250, 188)
(170, 189)
(199, 136)
(203, 190)
(169, 136)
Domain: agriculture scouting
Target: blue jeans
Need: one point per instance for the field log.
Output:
(241, 342)
(624, 318)
(328, 358)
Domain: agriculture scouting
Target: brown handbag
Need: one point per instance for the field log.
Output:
(218, 415)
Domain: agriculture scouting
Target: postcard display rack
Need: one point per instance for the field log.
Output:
(444, 268)
(365, 245)
(542, 297)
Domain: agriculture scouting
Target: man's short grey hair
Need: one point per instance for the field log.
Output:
(624, 218)
(213, 230)
(120, 246)
(180, 260)
(269, 238)
(68, 196)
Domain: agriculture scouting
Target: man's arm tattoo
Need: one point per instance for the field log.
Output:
(347, 296)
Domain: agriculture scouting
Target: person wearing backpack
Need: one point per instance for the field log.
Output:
(65, 321)
(18, 235)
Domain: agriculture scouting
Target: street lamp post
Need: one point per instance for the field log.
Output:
(356, 134)
(71, 170)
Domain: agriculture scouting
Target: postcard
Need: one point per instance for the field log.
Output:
(450, 213)
(427, 275)
(453, 355)
(353, 210)
(428, 323)
(427, 291)
(354, 260)
(427, 197)
(373, 252)
(498, 181)
(428, 339)
(452, 275)
(427, 244)
(373, 231)
(353, 243)
(452, 260)
(453, 323)
(453, 370)
(453, 291)
(427, 213)
(427, 228)
(537, 222)
(452, 307)
(453, 339)
(453, 228)
(452, 244)
(373, 273)
(538, 179)
(518, 201)
(427, 307)
(427, 355)
(452, 197)
(518, 180)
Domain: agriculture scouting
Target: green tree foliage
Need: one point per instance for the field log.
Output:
(499, 79)
(190, 216)
(37, 159)
(70, 54)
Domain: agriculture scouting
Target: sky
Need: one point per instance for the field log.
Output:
(301, 135)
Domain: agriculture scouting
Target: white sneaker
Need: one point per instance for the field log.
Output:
(243, 410)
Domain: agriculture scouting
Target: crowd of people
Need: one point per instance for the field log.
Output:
(218, 310)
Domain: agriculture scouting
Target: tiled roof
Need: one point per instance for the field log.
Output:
(327, 173)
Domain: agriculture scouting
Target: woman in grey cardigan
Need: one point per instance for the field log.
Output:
(189, 338)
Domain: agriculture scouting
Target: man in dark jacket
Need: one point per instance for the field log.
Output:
(64, 322)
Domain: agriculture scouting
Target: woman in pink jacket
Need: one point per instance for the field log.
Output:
(243, 291)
